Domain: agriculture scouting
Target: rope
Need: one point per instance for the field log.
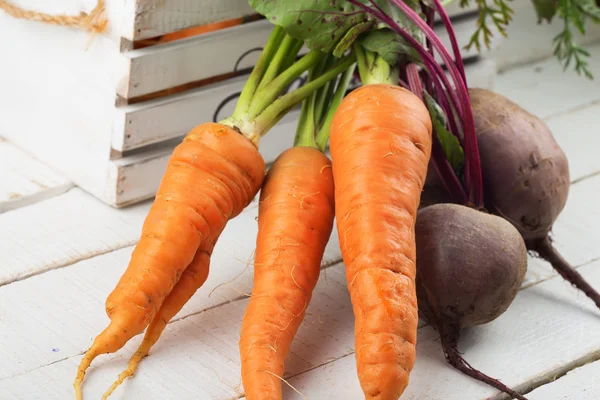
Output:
(94, 22)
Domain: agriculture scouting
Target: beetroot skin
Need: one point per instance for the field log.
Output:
(470, 266)
(525, 172)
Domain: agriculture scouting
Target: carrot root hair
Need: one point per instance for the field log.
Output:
(88, 357)
(543, 247)
(449, 344)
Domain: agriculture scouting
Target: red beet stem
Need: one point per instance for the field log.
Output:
(546, 251)
(449, 336)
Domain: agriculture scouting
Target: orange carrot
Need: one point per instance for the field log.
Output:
(380, 148)
(210, 178)
(192, 278)
(198, 30)
(295, 220)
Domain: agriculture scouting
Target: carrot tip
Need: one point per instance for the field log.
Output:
(87, 359)
(134, 361)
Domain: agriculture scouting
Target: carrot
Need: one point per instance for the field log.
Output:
(295, 220)
(210, 178)
(380, 149)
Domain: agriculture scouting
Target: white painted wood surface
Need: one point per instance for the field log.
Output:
(581, 384)
(527, 41)
(24, 180)
(61, 231)
(545, 90)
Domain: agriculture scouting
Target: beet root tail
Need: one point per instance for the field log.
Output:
(546, 251)
(457, 361)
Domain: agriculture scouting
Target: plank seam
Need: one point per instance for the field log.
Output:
(550, 376)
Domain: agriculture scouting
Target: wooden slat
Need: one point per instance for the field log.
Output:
(24, 180)
(157, 17)
(61, 231)
(536, 86)
(547, 326)
(581, 384)
(164, 66)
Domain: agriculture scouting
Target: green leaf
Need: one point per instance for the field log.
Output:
(333, 25)
(320, 24)
(450, 144)
(351, 36)
(392, 48)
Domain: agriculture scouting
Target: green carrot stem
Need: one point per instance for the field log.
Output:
(307, 123)
(243, 103)
(323, 95)
(267, 95)
(373, 69)
(340, 92)
(292, 55)
(289, 100)
(277, 63)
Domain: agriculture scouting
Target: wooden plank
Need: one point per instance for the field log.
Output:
(85, 285)
(62, 230)
(547, 325)
(157, 17)
(536, 86)
(581, 383)
(164, 66)
(527, 41)
(25, 180)
(58, 96)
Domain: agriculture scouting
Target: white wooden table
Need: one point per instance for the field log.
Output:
(62, 251)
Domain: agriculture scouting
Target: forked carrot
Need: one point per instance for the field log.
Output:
(295, 220)
(380, 149)
(210, 178)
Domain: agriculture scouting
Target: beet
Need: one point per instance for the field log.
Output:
(470, 266)
(525, 175)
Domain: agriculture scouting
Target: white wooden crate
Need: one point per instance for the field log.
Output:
(106, 116)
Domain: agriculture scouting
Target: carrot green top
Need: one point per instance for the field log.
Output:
(261, 105)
